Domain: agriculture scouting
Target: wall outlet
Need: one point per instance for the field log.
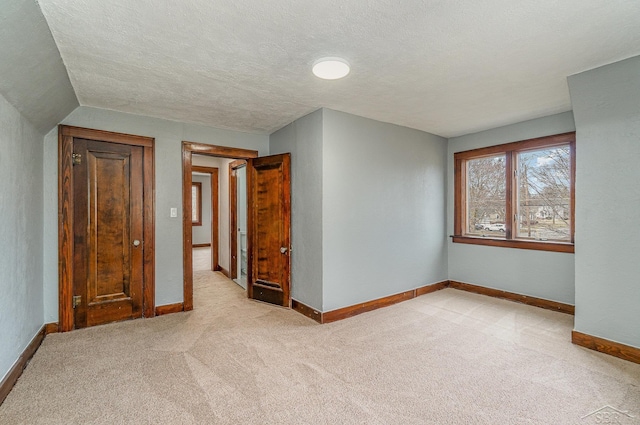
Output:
(174, 212)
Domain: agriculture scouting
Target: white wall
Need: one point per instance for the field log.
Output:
(383, 209)
(547, 275)
(168, 170)
(303, 139)
(202, 234)
(222, 164)
(606, 104)
(21, 209)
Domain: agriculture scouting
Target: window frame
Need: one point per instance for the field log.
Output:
(511, 150)
(198, 186)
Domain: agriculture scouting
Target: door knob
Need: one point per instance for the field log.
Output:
(283, 250)
(136, 242)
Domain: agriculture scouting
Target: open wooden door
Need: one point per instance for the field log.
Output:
(269, 229)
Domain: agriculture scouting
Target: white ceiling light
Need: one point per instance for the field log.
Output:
(331, 68)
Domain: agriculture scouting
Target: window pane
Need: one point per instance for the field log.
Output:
(194, 204)
(544, 194)
(486, 196)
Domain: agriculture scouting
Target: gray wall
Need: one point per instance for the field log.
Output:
(383, 209)
(606, 104)
(222, 164)
(34, 79)
(202, 234)
(168, 171)
(303, 138)
(21, 234)
(547, 275)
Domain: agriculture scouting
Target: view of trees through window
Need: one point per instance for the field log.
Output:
(486, 195)
(542, 186)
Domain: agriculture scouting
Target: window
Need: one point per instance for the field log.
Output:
(196, 204)
(518, 195)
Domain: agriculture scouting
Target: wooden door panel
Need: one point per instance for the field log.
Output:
(108, 211)
(109, 247)
(106, 312)
(269, 229)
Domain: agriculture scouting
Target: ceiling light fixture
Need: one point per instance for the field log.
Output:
(331, 68)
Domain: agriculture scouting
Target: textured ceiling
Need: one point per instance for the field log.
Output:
(449, 67)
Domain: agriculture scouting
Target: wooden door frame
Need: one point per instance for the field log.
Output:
(66, 134)
(215, 213)
(233, 215)
(188, 149)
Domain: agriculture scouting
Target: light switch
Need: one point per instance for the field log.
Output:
(174, 212)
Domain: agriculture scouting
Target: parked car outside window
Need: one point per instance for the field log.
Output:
(498, 227)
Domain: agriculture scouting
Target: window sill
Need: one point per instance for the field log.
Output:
(520, 244)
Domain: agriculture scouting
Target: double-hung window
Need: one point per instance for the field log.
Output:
(518, 195)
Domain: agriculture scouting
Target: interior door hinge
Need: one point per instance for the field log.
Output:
(77, 158)
(77, 300)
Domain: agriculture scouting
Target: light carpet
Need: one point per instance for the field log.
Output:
(201, 258)
(449, 357)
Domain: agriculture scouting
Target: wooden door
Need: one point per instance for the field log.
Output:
(269, 229)
(108, 232)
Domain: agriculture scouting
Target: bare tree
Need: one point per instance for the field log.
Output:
(486, 196)
(545, 178)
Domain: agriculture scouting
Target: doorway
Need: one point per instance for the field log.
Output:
(239, 222)
(268, 223)
(196, 153)
(106, 227)
(205, 211)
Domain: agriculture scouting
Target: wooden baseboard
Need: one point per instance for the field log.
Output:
(305, 310)
(354, 310)
(524, 299)
(200, 245)
(350, 311)
(224, 271)
(14, 373)
(625, 352)
(431, 288)
(169, 308)
(50, 328)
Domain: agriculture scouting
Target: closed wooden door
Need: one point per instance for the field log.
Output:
(108, 230)
(269, 229)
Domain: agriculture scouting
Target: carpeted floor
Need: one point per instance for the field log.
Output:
(201, 259)
(448, 357)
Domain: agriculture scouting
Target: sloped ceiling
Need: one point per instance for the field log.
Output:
(449, 67)
(32, 76)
